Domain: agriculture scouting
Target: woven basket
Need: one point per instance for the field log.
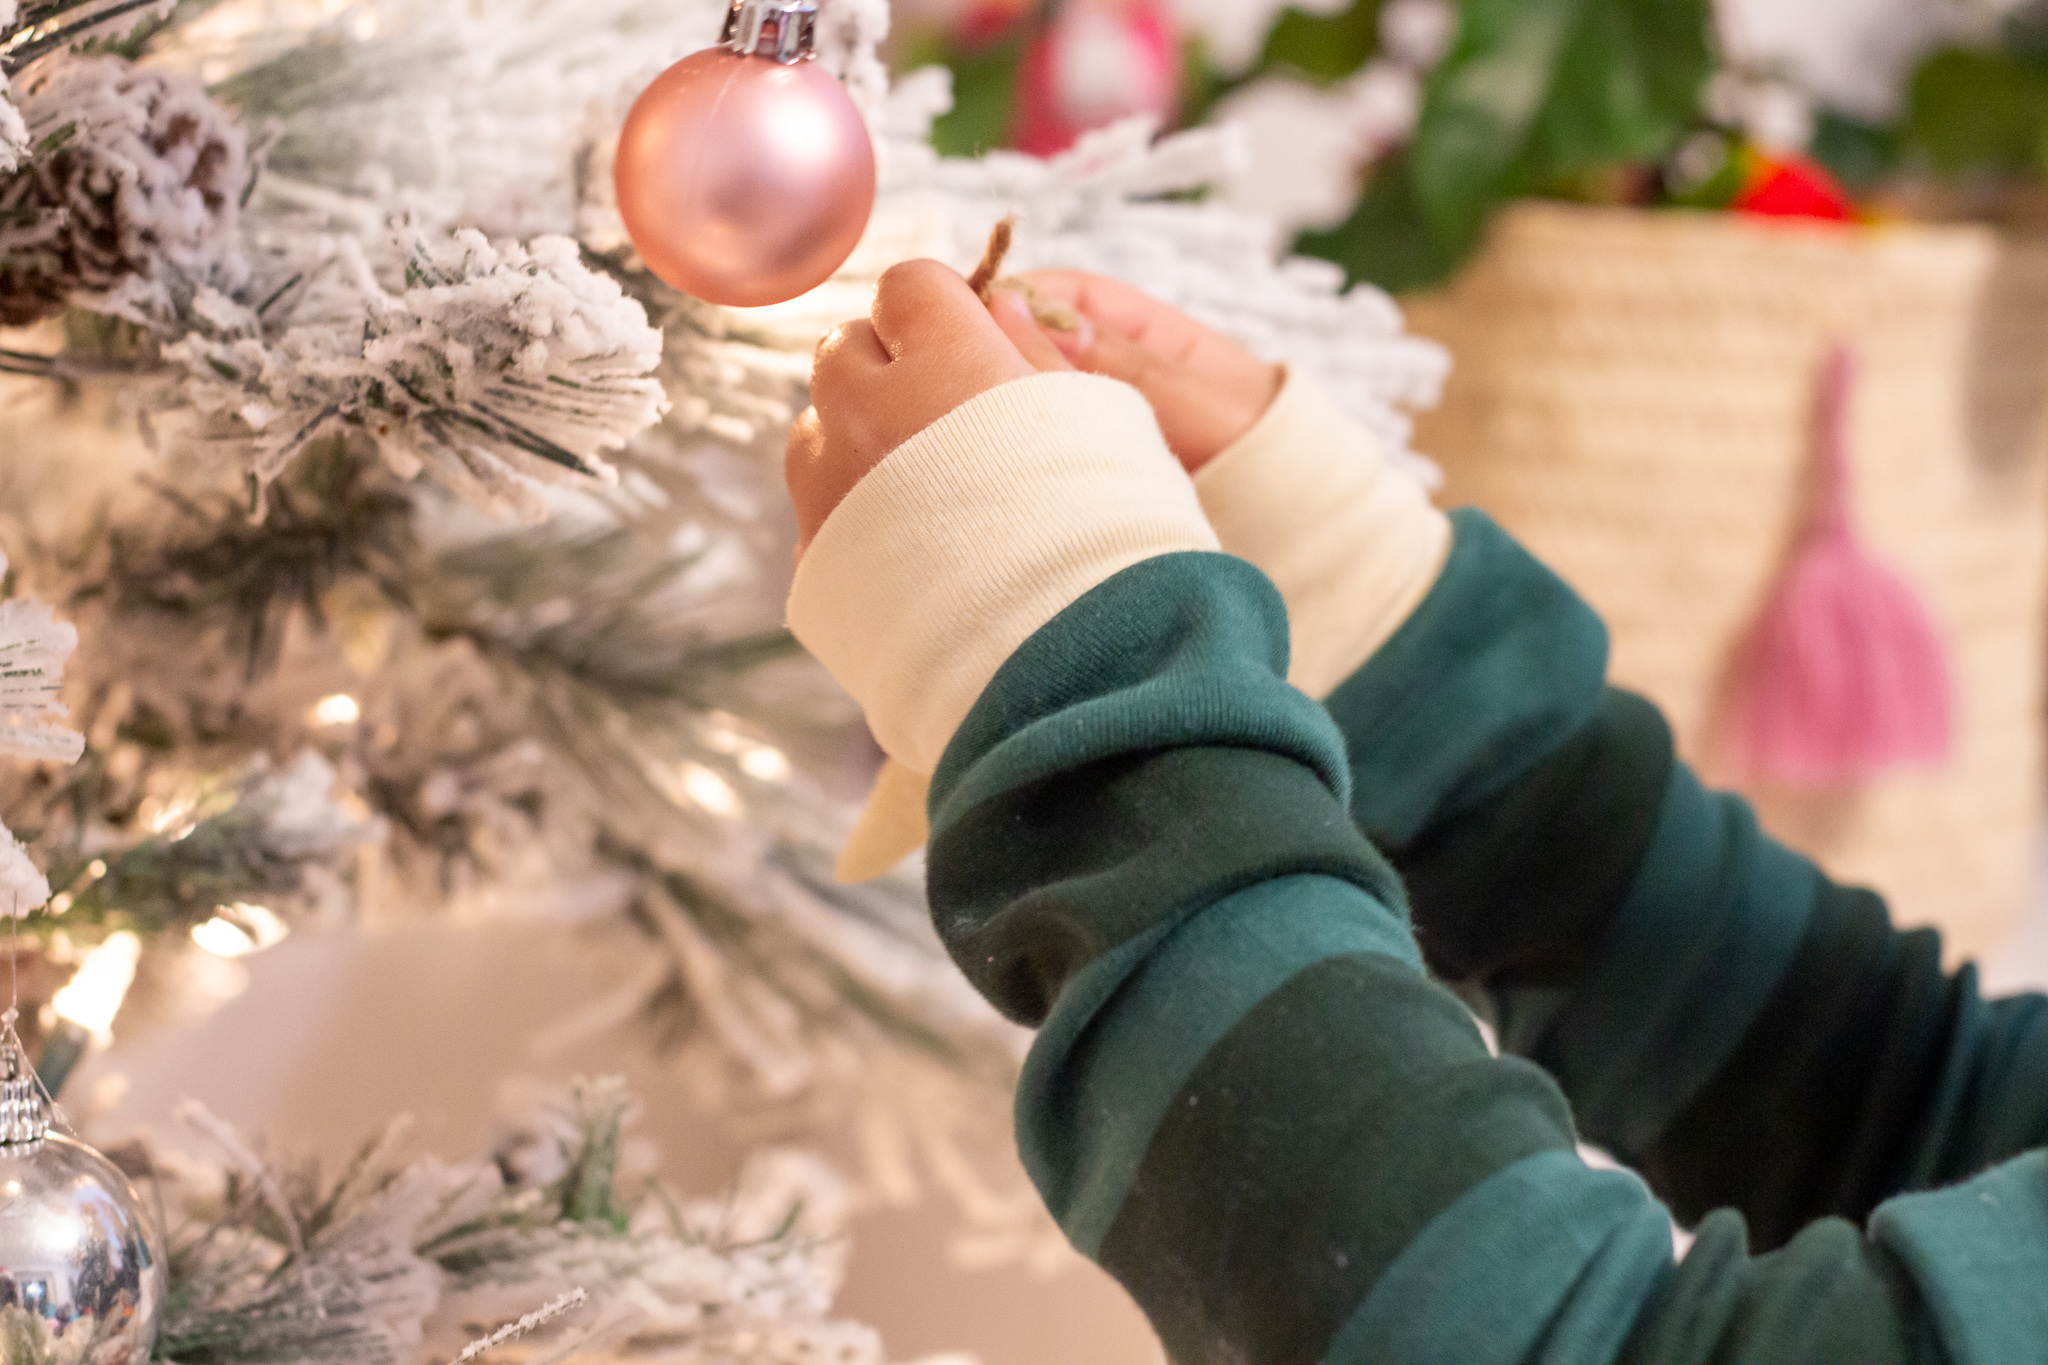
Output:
(1632, 398)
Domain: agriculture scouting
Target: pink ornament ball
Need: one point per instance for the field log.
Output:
(743, 181)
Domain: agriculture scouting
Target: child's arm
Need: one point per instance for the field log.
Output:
(1743, 1030)
(1246, 1098)
(1724, 1017)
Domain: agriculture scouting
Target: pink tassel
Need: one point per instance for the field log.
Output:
(1843, 675)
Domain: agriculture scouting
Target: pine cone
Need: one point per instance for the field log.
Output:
(145, 180)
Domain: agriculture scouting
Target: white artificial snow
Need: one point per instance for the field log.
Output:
(13, 130)
(141, 195)
(33, 647)
(484, 361)
(22, 885)
(1310, 145)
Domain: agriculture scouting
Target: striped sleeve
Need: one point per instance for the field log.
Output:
(1246, 1099)
(1747, 1033)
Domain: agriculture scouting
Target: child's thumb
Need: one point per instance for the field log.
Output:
(1013, 314)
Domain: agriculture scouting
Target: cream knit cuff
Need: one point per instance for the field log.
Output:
(1351, 541)
(956, 548)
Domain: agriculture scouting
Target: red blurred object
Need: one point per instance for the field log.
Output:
(1098, 62)
(988, 22)
(1792, 187)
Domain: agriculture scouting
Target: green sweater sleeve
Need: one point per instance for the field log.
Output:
(1246, 1098)
(1721, 1015)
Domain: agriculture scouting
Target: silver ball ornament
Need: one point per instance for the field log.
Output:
(82, 1270)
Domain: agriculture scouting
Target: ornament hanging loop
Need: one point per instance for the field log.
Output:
(782, 30)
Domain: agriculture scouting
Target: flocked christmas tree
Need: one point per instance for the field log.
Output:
(427, 556)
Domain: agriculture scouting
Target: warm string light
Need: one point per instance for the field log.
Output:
(65, 899)
(696, 785)
(762, 762)
(97, 989)
(240, 929)
(339, 709)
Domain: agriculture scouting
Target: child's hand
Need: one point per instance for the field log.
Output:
(929, 347)
(1207, 390)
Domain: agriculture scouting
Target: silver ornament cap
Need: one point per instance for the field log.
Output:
(82, 1269)
(784, 30)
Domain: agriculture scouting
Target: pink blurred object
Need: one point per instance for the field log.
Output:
(745, 174)
(1099, 61)
(1843, 676)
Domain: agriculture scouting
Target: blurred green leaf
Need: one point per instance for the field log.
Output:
(1324, 47)
(1858, 154)
(984, 91)
(1537, 97)
(1603, 107)
(2024, 31)
(1480, 108)
(1201, 84)
(1387, 239)
(1975, 112)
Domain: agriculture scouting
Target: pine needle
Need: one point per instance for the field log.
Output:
(512, 1331)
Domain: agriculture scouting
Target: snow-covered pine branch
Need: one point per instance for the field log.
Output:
(495, 366)
(131, 200)
(399, 1260)
(33, 648)
(23, 887)
(13, 132)
(13, 128)
(34, 32)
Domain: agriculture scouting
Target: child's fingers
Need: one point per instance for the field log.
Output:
(1131, 313)
(1167, 385)
(1114, 306)
(924, 305)
(1013, 315)
(1111, 303)
(849, 359)
(1201, 413)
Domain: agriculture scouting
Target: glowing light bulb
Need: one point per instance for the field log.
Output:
(339, 709)
(94, 995)
(223, 938)
(765, 764)
(260, 922)
(710, 791)
(240, 929)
